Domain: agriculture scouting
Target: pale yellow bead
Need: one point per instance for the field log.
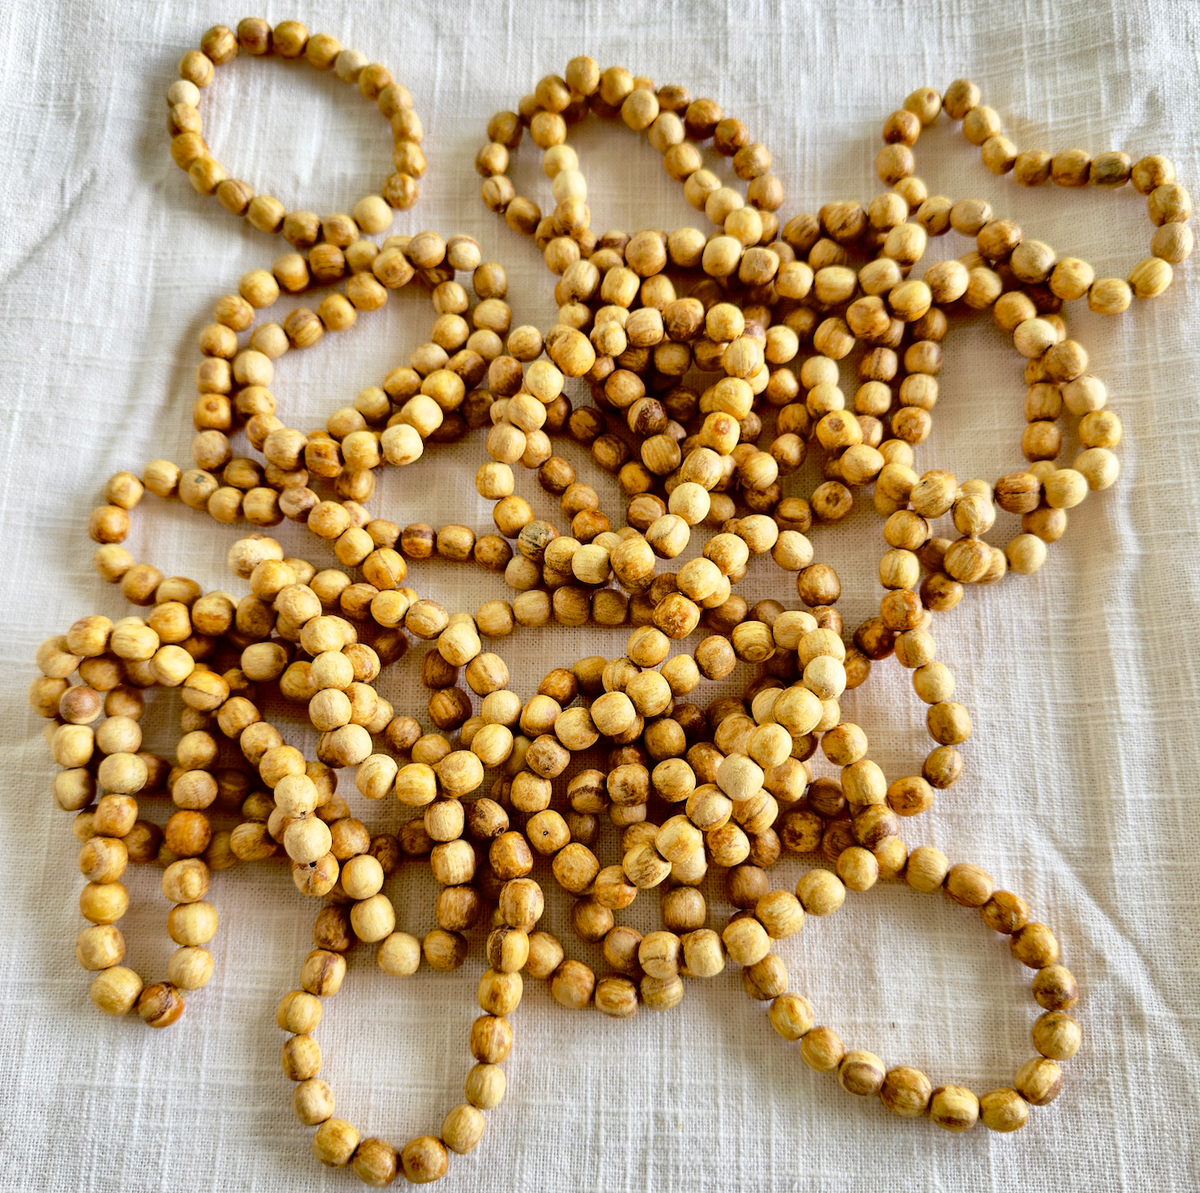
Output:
(1034, 336)
(569, 184)
(1065, 488)
(1026, 553)
(558, 158)
(1098, 466)
(820, 892)
(1109, 296)
(372, 214)
(190, 968)
(1150, 277)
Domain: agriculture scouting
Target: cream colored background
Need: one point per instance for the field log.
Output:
(1082, 681)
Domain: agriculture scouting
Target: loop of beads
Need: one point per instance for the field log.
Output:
(764, 325)
(1168, 204)
(673, 124)
(290, 40)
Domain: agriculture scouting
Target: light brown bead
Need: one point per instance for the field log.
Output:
(1149, 278)
(927, 868)
(1003, 1110)
(954, 1108)
(820, 892)
(861, 1073)
(1055, 988)
(1109, 296)
(1035, 945)
(704, 953)
(375, 1163)
(1039, 1081)
(791, 1016)
(399, 954)
(968, 886)
(463, 1128)
(1005, 912)
(335, 1142)
(1056, 1035)
(572, 984)
(115, 990)
(822, 1049)
(160, 1005)
(906, 1091)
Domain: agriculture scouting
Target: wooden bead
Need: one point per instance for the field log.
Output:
(160, 1005)
(335, 1142)
(780, 914)
(954, 1108)
(746, 941)
(659, 954)
(190, 968)
(1039, 1081)
(791, 1016)
(617, 997)
(375, 1163)
(99, 947)
(927, 869)
(1110, 169)
(820, 892)
(703, 952)
(968, 886)
(196, 68)
(949, 723)
(661, 994)
(1169, 203)
(1026, 553)
(399, 954)
(1035, 945)
(185, 881)
(301, 1057)
(1056, 1035)
(1109, 296)
(115, 990)
(1171, 242)
(373, 919)
(312, 1101)
(1005, 912)
(545, 955)
(1150, 277)
(906, 1091)
(572, 984)
(1055, 988)
(1032, 167)
(462, 1128)
(822, 1049)
(861, 1073)
(1003, 1110)
(443, 950)
(857, 868)
(323, 972)
(765, 980)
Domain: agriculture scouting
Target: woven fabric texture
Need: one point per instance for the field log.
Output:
(1082, 779)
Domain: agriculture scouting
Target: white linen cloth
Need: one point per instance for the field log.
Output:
(1081, 788)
